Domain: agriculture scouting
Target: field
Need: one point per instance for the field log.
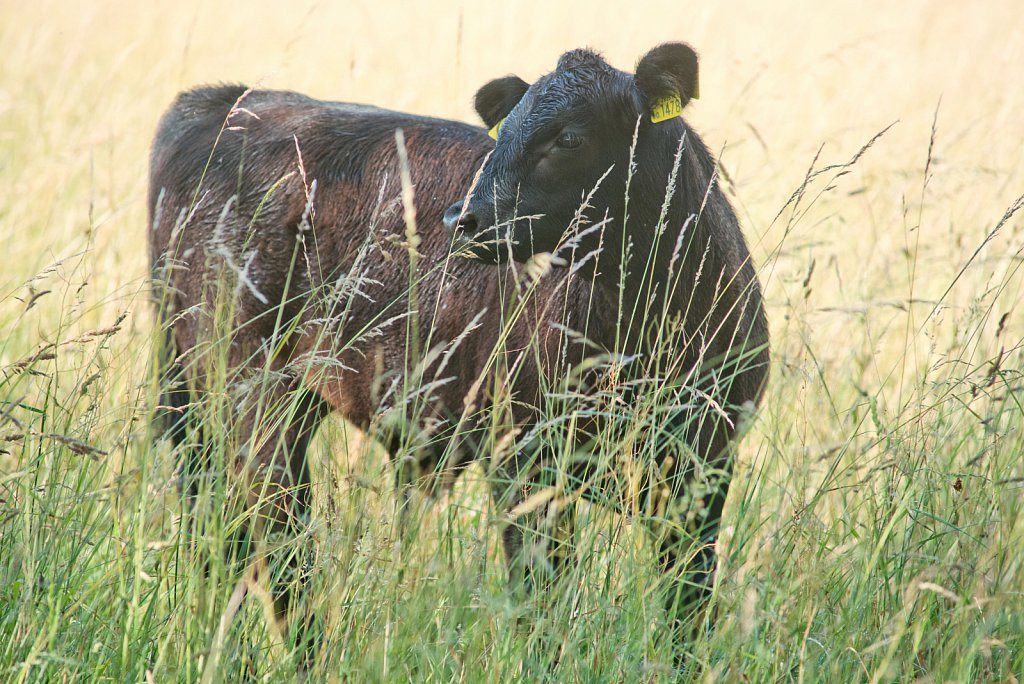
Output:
(874, 153)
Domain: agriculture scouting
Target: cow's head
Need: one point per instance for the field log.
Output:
(563, 136)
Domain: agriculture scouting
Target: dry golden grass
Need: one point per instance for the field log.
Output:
(886, 284)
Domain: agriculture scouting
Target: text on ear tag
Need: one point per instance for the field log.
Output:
(666, 108)
(495, 128)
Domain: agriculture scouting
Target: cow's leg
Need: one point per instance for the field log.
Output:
(686, 522)
(538, 536)
(272, 421)
(182, 418)
(275, 429)
(685, 543)
(176, 420)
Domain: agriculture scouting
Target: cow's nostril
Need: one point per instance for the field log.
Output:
(468, 224)
(455, 219)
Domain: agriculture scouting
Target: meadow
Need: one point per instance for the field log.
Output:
(874, 532)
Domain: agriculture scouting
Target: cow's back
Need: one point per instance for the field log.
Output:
(233, 176)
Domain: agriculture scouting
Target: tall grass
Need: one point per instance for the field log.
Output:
(873, 530)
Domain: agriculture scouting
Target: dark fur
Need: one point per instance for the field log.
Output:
(533, 174)
(350, 151)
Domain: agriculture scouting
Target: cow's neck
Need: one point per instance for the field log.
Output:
(669, 270)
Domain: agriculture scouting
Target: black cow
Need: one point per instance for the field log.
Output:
(279, 238)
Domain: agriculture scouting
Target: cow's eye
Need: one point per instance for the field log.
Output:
(568, 140)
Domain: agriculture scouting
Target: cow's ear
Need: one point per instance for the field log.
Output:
(496, 99)
(667, 79)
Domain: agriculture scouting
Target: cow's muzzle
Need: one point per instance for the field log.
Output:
(469, 240)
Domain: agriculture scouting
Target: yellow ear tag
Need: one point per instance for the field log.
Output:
(665, 108)
(494, 129)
